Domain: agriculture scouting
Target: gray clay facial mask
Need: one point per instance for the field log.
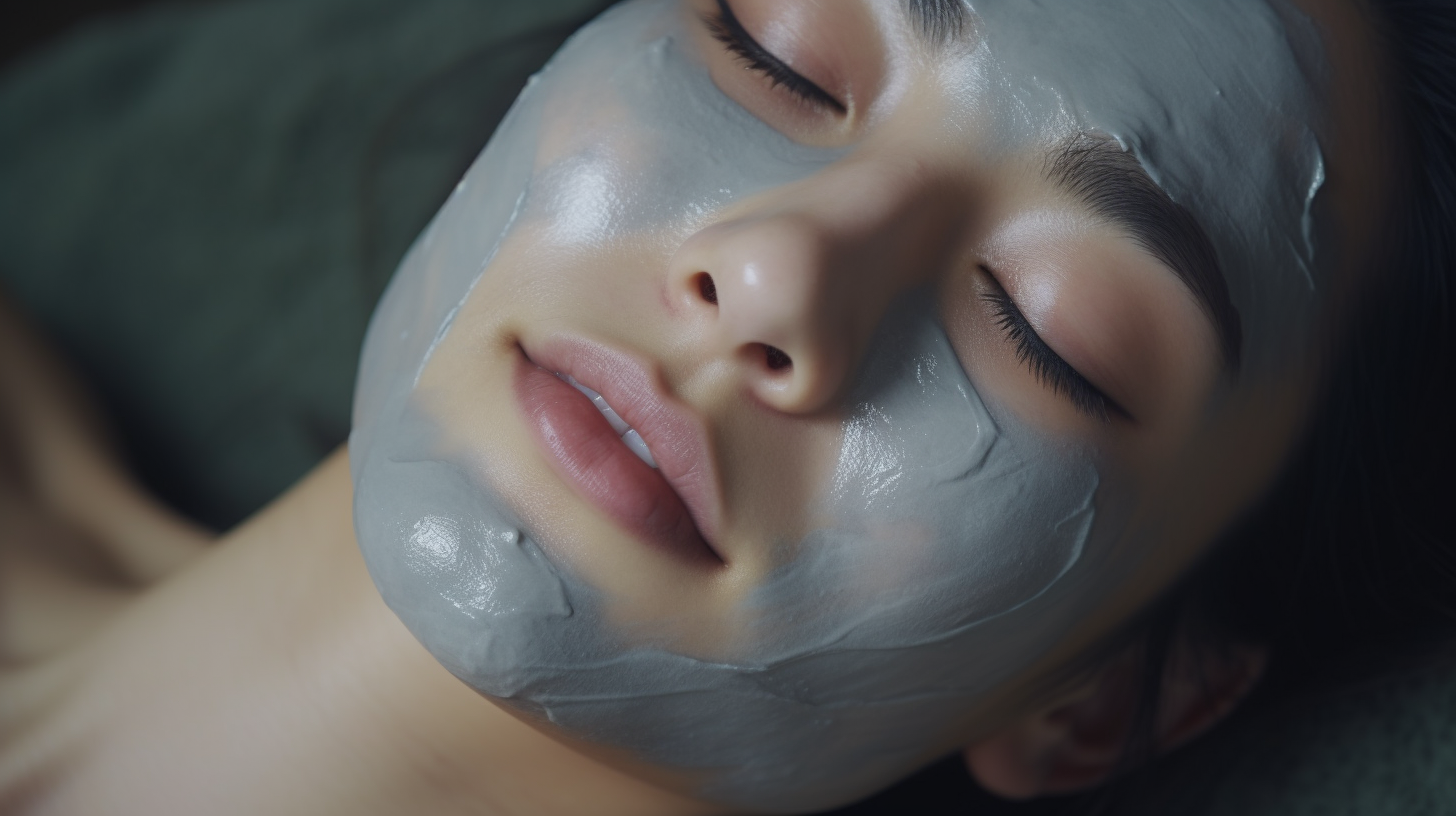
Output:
(956, 544)
(1221, 105)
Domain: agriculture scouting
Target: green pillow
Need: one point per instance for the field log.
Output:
(202, 204)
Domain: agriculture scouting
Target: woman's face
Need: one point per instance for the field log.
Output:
(799, 374)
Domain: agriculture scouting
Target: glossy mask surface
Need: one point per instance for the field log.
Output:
(1220, 104)
(955, 544)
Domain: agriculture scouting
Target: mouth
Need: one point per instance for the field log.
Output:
(612, 434)
(630, 436)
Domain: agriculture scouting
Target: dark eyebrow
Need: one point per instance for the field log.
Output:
(1113, 185)
(938, 22)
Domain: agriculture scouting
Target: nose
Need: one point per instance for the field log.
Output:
(794, 283)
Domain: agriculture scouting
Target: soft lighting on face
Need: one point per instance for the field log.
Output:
(953, 544)
(586, 205)
(751, 278)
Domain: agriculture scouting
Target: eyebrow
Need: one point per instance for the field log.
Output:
(938, 22)
(1113, 185)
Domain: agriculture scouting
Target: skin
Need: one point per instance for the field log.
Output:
(332, 701)
(802, 268)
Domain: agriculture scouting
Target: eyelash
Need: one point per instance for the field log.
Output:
(725, 28)
(1049, 368)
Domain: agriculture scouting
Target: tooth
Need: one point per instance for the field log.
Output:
(629, 435)
(618, 424)
(639, 447)
(601, 403)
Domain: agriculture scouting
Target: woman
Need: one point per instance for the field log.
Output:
(901, 387)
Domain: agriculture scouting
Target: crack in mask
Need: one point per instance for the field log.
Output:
(941, 524)
(1219, 102)
(954, 545)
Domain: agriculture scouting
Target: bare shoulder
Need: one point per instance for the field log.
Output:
(78, 535)
(267, 656)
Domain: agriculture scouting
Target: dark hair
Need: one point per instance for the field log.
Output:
(1347, 568)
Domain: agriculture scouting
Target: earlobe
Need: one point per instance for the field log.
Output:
(1204, 684)
(1079, 741)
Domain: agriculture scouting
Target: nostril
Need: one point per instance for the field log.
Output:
(776, 359)
(706, 288)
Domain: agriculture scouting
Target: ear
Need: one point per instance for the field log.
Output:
(1077, 742)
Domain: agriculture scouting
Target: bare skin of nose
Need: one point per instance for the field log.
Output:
(795, 291)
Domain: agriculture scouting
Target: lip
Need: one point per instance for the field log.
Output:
(674, 507)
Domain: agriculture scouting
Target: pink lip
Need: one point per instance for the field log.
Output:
(674, 507)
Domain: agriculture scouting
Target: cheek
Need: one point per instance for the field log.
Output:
(1232, 457)
(940, 511)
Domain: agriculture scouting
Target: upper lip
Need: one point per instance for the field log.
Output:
(635, 389)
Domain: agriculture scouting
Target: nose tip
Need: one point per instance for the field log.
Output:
(802, 387)
(792, 286)
(764, 287)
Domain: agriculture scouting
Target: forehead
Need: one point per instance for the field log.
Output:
(1221, 103)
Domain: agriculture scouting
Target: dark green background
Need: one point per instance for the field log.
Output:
(201, 202)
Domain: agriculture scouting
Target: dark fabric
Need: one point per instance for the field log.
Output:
(202, 204)
(1385, 747)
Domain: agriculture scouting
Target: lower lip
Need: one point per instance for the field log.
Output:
(585, 452)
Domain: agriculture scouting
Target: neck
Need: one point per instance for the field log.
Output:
(274, 659)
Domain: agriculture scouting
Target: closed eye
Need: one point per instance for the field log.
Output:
(1048, 367)
(726, 29)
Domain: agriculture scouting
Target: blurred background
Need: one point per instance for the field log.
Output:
(41, 22)
(201, 201)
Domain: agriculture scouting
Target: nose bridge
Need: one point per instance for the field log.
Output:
(772, 275)
(796, 281)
